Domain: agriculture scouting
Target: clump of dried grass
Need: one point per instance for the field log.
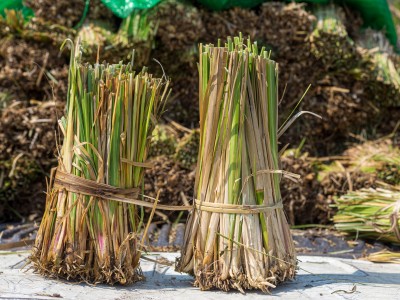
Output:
(370, 214)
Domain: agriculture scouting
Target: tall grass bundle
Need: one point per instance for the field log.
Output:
(370, 214)
(238, 237)
(89, 228)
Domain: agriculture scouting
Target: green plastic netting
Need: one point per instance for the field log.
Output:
(123, 8)
(15, 4)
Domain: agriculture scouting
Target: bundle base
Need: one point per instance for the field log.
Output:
(212, 279)
(76, 270)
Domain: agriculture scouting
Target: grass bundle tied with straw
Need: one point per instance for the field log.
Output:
(382, 75)
(136, 31)
(370, 214)
(90, 225)
(238, 237)
(330, 42)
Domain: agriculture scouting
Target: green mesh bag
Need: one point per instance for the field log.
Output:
(123, 8)
(16, 5)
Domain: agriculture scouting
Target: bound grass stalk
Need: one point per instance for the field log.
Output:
(187, 149)
(163, 141)
(370, 214)
(95, 37)
(330, 42)
(382, 75)
(136, 31)
(237, 236)
(86, 234)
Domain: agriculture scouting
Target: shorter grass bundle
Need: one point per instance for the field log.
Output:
(237, 237)
(370, 214)
(377, 159)
(187, 150)
(138, 32)
(95, 37)
(382, 76)
(89, 231)
(163, 141)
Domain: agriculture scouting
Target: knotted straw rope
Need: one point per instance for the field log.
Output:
(226, 208)
(234, 208)
(76, 184)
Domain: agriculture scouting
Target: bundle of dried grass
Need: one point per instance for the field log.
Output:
(237, 236)
(163, 141)
(381, 78)
(384, 256)
(90, 225)
(361, 166)
(330, 42)
(95, 38)
(310, 199)
(187, 150)
(370, 214)
(135, 32)
(374, 157)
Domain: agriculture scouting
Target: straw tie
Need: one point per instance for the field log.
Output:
(226, 208)
(76, 184)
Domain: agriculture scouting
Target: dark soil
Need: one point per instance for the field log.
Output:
(27, 152)
(175, 184)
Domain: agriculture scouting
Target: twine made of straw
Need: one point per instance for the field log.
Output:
(79, 185)
(225, 208)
